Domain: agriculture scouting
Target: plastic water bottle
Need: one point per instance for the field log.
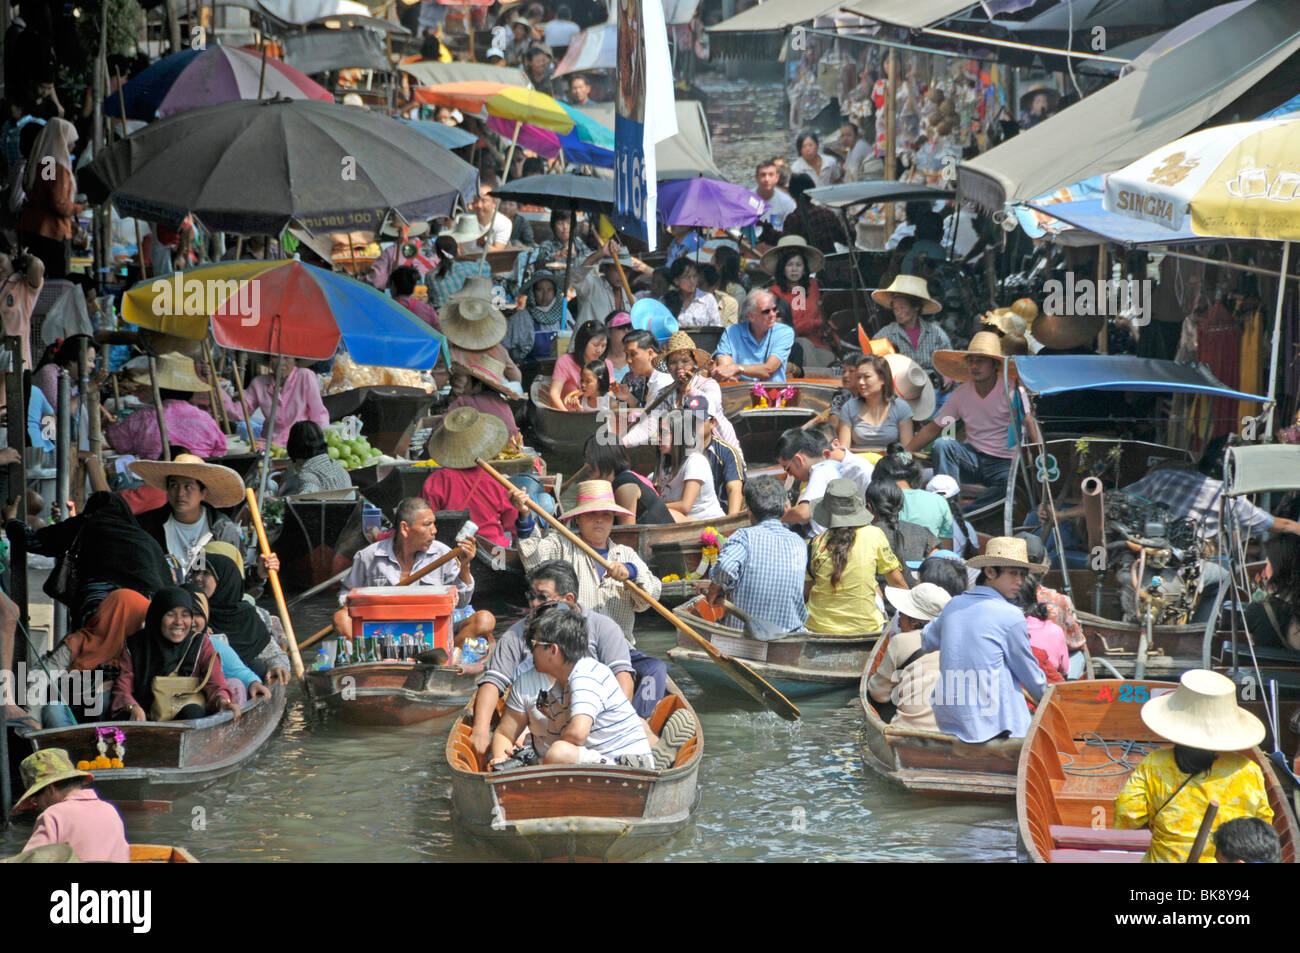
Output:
(473, 650)
(322, 660)
(461, 614)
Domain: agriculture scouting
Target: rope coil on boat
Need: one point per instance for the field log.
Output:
(1094, 740)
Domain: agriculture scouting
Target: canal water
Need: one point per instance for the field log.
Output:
(770, 790)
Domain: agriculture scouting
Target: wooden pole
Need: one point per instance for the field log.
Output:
(295, 658)
(139, 243)
(218, 405)
(1203, 833)
(158, 409)
(891, 123)
(243, 402)
(1102, 336)
(16, 403)
(742, 674)
(268, 428)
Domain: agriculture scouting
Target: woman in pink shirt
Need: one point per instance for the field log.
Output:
(589, 343)
(187, 425)
(1043, 632)
(71, 813)
(299, 398)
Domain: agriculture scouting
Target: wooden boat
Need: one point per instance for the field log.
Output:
(393, 693)
(1057, 804)
(933, 762)
(561, 434)
(759, 429)
(317, 539)
(168, 760)
(670, 548)
(800, 664)
(160, 854)
(575, 812)
(386, 412)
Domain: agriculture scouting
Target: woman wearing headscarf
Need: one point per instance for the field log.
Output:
(167, 646)
(48, 219)
(243, 681)
(229, 614)
(108, 549)
(98, 645)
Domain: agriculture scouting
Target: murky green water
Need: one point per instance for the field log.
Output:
(769, 791)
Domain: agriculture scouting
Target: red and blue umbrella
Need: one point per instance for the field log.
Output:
(708, 203)
(283, 307)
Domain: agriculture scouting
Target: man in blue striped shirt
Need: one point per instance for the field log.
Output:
(763, 564)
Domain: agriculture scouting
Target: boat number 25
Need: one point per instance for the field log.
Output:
(1128, 693)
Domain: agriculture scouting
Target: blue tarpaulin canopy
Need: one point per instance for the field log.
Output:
(1060, 373)
(1088, 215)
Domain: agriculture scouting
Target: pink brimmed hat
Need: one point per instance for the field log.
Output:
(595, 496)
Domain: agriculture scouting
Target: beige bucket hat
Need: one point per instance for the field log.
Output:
(175, 372)
(913, 384)
(467, 436)
(923, 603)
(225, 487)
(1006, 552)
(1203, 713)
(911, 285)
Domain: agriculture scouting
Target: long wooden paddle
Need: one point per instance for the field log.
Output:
(741, 674)
(466, 530)
(1203, 833)
(295, 657)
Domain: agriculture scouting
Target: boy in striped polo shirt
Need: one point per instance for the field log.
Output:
(575, 708)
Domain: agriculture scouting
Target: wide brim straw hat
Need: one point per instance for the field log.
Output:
(913, 384)
(1203, 713)
(465, 437)
(466, 229)
(681, 341)
(923, 603)
(952, 364)
(225, 487)
(595, 496)
(773, 257)
(1053, 97)
(841, 505)
(488, 370)
(1006, 552)
(470, 320)
(911, 285)
(1063, 332)
(175, 372)
(43, 768)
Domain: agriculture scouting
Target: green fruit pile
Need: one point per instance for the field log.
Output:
(353, 453)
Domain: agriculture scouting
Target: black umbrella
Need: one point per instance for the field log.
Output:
(251, 167)
(569, 193)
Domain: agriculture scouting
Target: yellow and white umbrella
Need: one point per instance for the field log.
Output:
(1236, 181)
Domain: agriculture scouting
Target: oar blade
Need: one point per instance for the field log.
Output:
(754, 686)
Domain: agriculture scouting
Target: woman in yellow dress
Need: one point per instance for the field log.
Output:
(1171, 789)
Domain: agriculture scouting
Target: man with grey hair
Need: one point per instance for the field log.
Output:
(762, 565)
(411, 547)
(757, 348)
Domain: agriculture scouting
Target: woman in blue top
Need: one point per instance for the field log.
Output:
(877, 417)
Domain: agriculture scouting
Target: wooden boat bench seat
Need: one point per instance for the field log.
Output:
(1097, 856)
(1100, 838)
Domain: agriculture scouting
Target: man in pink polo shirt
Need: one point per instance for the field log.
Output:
(980, 401)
